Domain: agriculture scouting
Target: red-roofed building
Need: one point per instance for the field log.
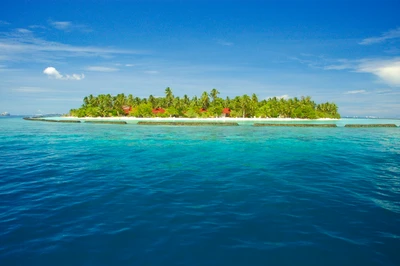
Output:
(127, 109)
(158, 110)
(226, 112)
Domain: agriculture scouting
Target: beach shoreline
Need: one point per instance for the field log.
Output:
(221, 119)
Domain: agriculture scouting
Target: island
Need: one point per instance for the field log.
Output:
(208, 105)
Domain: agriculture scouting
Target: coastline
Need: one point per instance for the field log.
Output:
(234, 119)
(320, 122)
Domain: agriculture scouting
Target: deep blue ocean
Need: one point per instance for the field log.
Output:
(89, 194)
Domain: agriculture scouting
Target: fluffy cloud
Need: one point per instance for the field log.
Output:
(392, 34)
(53, 73)
(387, 70)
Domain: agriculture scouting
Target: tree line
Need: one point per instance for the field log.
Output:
(207, 105)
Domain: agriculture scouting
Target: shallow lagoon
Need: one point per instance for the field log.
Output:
(159, 195)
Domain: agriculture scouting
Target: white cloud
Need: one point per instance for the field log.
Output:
(392, 34)
(61, 25)
(17, 46)
(129, 65)
(102, 69)
(37, 27)
(53, 73)
(355, 92)
(387, 70)
(24, 31)
(387, 92)
(2, 22)
(339, 67)
(151, 72)
(75, 77)
(68, 26)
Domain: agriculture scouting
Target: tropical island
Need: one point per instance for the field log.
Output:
(208, 105)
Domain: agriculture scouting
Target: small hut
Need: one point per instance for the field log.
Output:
(158, 111)
(226, 112)
(127, 109)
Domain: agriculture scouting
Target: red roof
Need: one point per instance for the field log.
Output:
(127, 109)
(158, 110)
(226, 111)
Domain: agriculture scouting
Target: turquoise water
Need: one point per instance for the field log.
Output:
(89, 194)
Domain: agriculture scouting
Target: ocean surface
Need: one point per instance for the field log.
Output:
(89, 194)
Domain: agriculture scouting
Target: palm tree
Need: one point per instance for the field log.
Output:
(253, 104)
(244, 104)
(194, 102)
(92, 100)
(205, 100)
(130, 101)
(186, 99)
(118, 103)
(227, 102)
(152, 100)
(169, 97)
(177, 103)
(214, 95)
(85, 101)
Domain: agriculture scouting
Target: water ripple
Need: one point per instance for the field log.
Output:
(97, 195)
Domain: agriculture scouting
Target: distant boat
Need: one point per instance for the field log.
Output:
(5, 114)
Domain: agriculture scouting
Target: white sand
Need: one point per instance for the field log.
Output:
(221, 119)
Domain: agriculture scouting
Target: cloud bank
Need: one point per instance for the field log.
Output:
(51, 72)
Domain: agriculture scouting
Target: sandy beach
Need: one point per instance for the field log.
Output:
(221, 119)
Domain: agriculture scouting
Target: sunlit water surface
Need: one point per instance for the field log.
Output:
(87, 194)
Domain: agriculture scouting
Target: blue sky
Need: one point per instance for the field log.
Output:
(53, 53)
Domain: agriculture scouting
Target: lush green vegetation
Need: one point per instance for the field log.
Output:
(207, 105)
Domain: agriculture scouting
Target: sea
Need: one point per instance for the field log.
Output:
(96, 194)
